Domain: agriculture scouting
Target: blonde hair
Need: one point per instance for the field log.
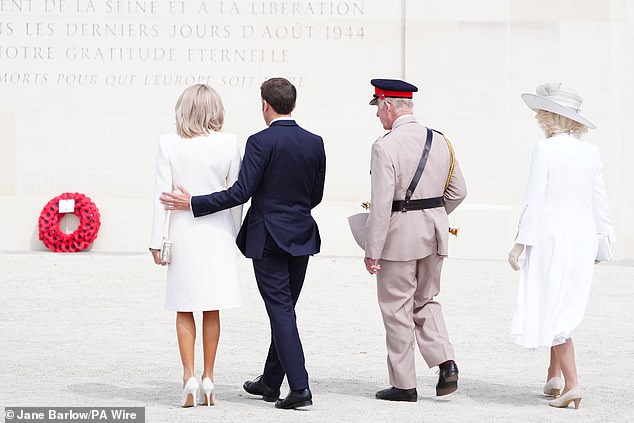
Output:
(553, 124)
(199, 110)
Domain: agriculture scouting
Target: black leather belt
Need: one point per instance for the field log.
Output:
(425, 203)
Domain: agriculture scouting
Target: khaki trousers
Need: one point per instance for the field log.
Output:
(405, 291)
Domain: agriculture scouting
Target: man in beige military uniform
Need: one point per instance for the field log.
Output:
(405, 248)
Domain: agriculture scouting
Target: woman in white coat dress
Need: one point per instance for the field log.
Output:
(203, 273)
(566, 206)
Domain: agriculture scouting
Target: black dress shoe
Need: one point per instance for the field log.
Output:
(256, 387)
(396, 394)
(296, 399)
(447, 378)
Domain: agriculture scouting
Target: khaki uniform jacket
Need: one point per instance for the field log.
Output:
(404, 236)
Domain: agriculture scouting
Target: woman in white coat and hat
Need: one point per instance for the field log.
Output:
(566, 206)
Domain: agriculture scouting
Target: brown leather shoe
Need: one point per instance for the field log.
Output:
(396, 394)
(447, 378)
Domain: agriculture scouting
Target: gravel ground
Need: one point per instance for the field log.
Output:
(89, 329)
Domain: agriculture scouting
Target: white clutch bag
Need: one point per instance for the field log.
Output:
(604, 253)
(166, 244)
(166, 251)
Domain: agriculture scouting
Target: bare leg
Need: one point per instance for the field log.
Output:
(554, 368)
(566, 356)
(186, 332)
(211, 335)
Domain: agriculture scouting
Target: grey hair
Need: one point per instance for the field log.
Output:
(399, 103)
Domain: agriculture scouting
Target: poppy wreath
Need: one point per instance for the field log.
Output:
(55, 239)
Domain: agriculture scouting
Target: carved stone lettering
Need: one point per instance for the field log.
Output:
(79, 63)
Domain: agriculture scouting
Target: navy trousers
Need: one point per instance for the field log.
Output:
(280, 277)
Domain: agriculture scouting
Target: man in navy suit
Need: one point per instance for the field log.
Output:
(283, 173)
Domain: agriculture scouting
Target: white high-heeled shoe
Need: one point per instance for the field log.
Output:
(205, 394)
(574, 395)
(553, 387)
(190, 388)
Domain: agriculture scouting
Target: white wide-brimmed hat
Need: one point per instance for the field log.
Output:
(557, 98)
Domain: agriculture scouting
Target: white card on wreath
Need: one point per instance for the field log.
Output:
(66, 206)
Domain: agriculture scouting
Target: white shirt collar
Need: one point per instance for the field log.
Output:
(401, 117)
(281, 118)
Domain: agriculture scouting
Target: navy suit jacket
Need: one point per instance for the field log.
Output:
(283, 172)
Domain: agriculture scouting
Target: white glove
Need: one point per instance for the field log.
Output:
(514, 256)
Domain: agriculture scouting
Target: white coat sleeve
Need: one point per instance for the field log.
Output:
(535, 197)
(600, 204)
(232, 177)
(163, 183)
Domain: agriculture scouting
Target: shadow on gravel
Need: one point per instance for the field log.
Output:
(165, 393)
(158, 392)
(474, 389)
(487, 393)
(168, 393)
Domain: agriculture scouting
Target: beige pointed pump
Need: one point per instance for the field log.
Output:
(553, 387)
(574, 395)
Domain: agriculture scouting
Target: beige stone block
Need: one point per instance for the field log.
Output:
(432, 50)
(587, 50)
(548, 52)
(484, 231)
(621, 219)
(348, 151)
(608, 137)
(481, 70)
(8, 141)
(125, 224)
(20, 229)
(483, 49)
(523, 134)
(466, 51)
(627, 192)
(97, 154)
(481, 97)
(560, 10)
(447, 10)
(334, 230)
(481, 147)
(437, 102)
(534, 52)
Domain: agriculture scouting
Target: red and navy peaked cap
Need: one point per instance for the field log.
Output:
(391, 88)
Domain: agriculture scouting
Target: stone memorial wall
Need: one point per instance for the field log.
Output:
(87, 87)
